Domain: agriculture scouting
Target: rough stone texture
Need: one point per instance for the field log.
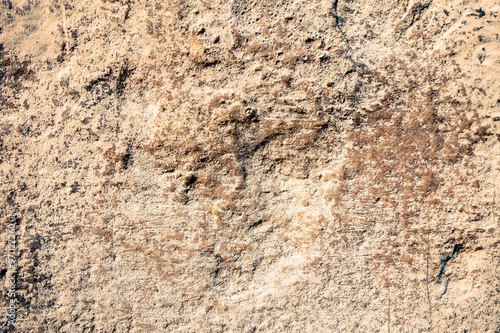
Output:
(251, 166)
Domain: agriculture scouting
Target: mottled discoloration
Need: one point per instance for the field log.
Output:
(251, 166)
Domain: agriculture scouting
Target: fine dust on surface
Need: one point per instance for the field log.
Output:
(251, 166)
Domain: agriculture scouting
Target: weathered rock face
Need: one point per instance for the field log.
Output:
(251, 166)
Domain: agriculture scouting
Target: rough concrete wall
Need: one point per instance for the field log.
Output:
(250, 166)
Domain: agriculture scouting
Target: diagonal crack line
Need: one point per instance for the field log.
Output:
(334, 12)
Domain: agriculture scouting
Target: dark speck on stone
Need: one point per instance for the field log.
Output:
(478, 13)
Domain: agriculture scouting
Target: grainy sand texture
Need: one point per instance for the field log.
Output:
(250, 166)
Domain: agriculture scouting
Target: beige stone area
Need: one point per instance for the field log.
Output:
(251, 166)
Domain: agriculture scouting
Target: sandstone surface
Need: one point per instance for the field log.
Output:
(251, 166)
